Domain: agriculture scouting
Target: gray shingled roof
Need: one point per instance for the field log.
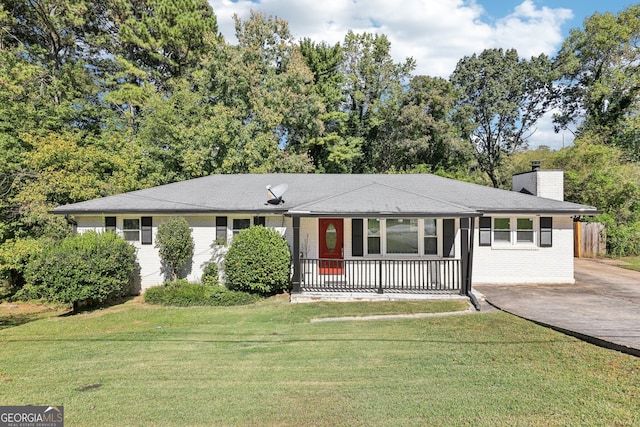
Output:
(326, 194)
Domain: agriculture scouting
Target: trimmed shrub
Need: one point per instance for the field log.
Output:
(210, 274)
(184, 294)
(90, 268)
(258, 261)
(175, 245)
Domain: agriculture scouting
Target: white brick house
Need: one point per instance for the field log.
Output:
(361, 233)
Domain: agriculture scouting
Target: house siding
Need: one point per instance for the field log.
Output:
(204, 236)
(493, 264)
(527, 263)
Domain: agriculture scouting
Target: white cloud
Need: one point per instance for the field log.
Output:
(436, 33)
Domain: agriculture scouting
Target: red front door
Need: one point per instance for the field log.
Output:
(330, 236)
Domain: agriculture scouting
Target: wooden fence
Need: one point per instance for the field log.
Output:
(590, 239)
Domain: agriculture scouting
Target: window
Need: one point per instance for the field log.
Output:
(524, 232)
(373, 236)
(502, 230)
(131, 229)
(485, 231)
(402, 236)
(259, 220)
(110, 223)
(240, 224)
(546, 232)
(221, 230)
(147, 227)
(430, 237)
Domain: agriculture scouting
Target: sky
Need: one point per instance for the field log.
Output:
(436, 33)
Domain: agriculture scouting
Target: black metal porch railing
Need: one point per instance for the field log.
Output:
(381, 275)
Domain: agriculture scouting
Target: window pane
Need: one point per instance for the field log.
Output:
(430, 246)
(131, 229)
(525, 224)
(402, 236)
(502, 230)
(430, 237)
(373, 236)
(373, 245)
(430, 227)
(240, 224)
(502, 224)
(373, 227)
(131, 224)
(525, 230)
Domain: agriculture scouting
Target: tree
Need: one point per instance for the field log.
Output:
(422, 134)
(175, 245)
(373, 83)
(267, 88)
(600, 66)
(500, 99)
(334, 151)
(598, 175)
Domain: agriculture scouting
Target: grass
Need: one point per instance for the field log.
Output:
(266, 364)
(631, 263)
(13, 314)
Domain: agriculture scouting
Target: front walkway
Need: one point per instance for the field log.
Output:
(603, 307)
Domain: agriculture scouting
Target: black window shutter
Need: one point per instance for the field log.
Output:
(110, 223)
(546, 231)
(221, 230)
(357, 237)
(448, 238)
(485, 231)
(146, 228)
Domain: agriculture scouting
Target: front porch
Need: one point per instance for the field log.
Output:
(437, 268)
(408, 276)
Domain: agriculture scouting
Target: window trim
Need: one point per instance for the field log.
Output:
(519, 230)
(420, 235)
(537, 230)
(126, 230)
(435, 236)
(495, 230)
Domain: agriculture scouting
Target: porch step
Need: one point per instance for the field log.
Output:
(307, 296)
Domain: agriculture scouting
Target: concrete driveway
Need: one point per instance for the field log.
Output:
(603, 307)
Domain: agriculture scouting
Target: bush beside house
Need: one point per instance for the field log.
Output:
(90, 268)
(258, 261)
(175, 245)
(184, 294)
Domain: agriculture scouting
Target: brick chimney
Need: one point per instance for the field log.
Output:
(539, 182)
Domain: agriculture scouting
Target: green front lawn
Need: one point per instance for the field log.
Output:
(267, 365)
(631, 263)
